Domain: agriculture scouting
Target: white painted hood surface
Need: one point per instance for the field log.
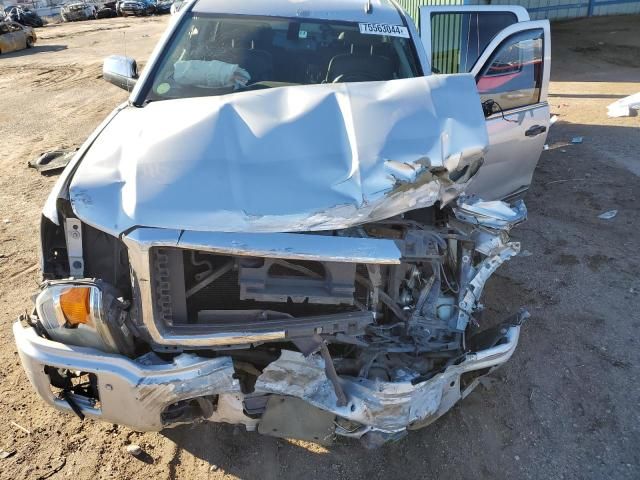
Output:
(290, 159)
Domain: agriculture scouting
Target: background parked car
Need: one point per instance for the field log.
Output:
(163, 6)
(137, 7)
(78, 10)
(14, 36)
(107, 12)
(23, 16)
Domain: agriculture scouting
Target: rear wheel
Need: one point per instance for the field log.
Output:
(29, 42)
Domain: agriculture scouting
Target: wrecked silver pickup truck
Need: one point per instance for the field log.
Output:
(282, 227)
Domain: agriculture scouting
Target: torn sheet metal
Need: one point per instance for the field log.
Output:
(303, 158)
(388, 406)
(494, 214)
(469, 296)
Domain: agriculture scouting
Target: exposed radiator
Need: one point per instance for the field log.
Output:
(175, 275)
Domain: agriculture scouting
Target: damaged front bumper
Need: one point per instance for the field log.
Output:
(148, 394)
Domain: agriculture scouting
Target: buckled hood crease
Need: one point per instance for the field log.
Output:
(301, 158)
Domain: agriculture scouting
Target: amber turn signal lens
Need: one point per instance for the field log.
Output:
(74, 303)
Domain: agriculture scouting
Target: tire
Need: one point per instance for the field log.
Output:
(29, 42)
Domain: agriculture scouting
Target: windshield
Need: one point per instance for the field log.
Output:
(215, 55)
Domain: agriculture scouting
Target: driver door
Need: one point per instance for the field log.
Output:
(510, 58)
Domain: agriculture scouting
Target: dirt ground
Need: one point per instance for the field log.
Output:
(566, 405)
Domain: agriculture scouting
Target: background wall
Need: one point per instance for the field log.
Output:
(539, 9)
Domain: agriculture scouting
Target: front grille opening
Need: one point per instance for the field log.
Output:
(196, 288)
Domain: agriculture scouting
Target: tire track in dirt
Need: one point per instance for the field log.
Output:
(53, 76)
(83, 31)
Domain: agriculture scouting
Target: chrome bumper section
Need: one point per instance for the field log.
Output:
(135, 394)
(131, 393)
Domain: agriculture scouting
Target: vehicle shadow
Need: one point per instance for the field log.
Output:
(233, 450)
(230, 450)
(35, 49)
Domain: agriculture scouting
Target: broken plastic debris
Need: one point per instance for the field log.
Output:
(625, 107)
(52, 162)
(553, 119)
(6, 454)
(546, 146)
(608, 215)
(134, 449)
(576, 140)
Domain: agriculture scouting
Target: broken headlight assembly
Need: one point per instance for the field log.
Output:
(84, 313)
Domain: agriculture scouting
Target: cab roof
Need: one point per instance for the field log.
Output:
(382, 11)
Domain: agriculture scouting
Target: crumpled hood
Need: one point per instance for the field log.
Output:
(297, 158)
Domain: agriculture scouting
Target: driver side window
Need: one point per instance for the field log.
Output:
(512, 77)
(459, 38)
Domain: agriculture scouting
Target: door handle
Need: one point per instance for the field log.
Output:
(535, 130)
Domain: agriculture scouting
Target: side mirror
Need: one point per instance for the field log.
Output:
(121, 71)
